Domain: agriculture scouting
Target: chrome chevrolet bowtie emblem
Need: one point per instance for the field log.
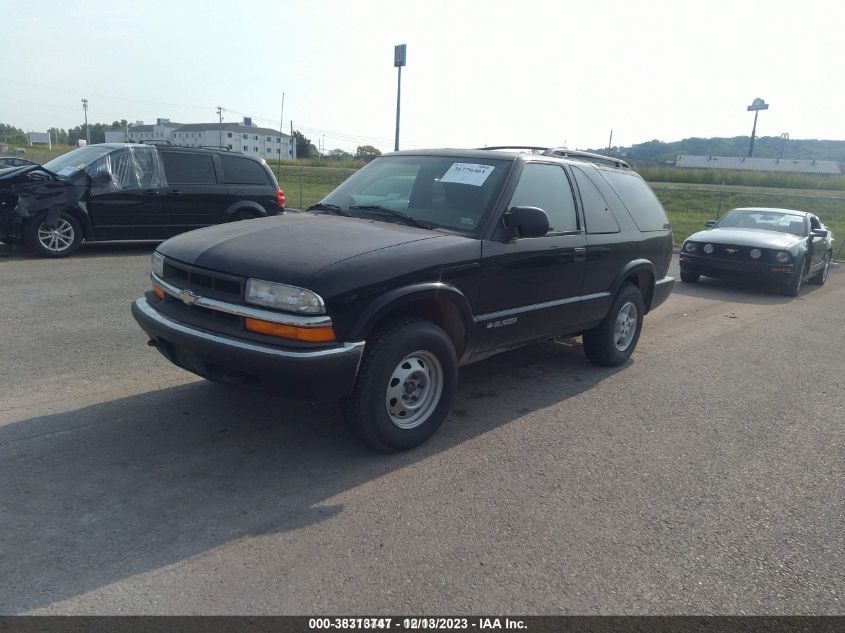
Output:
(731, 250)
(187, 297)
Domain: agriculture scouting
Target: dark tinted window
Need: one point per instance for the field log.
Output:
(243, 171)
(547, 187)
(185, 168)
(639, 199)
(597, 214)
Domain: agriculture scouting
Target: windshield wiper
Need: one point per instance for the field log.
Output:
(321, 206)
(393, 213)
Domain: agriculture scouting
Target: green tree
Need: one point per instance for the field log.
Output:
(367, 153)
(339, 154)
(304, 147)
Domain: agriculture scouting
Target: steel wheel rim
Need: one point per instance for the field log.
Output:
(414, 389)
(626, 326)
(58, 238)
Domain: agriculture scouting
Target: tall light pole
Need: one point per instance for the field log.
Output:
(783, 139)
(220, 119)
(87, 129)
(399, 60)
(755, 107)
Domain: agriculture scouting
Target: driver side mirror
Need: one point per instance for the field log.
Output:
(818, 233)
(710, 223)
(526, 221)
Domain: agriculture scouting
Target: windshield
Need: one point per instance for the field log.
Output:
(764, 221)
(439, 191)
(68, 164)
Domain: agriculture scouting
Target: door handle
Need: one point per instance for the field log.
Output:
(580, 254)
(174, 192)
(150, 192)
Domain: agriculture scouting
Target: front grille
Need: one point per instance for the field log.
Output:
(207, 283)
(734, 252)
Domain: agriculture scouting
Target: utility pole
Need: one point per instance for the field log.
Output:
(610, 141)
(87, 130)
(279, 153)
(783, 139)
(220, 122)
(399, 60)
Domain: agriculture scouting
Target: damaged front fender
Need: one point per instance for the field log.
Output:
(32, 192)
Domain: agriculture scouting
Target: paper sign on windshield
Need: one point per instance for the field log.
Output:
(467, 174)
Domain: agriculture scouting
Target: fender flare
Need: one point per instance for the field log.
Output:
(398, 297)
(637, 266)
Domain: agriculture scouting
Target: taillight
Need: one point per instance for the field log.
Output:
(280, 198)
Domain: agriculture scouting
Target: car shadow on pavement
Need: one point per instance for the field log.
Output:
(96, 495)
(738, 291)
(92, 249)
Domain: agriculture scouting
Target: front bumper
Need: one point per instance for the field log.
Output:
(325, 373)
(766, 272)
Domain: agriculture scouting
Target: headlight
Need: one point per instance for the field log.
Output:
(755, 253)
(690, 247)
(783, 257)
(282, 297)
(708, 248)
(157, 264)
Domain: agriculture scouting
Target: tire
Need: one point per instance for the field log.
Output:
(405, 385)
(60, 240)
(820, 277)
(243, 215)
(612, 342)
(794, 287)
(690, 278)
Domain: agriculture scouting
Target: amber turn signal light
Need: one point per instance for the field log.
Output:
(158, 292)
(306, 334)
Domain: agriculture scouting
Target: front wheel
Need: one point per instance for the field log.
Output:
(613, 341)
(794, 287)
(405, 385)
(820, 277)
(54, 239)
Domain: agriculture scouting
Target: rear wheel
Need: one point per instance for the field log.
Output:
(613, 341)
(405, 385)
(820, 277)
(54, 239)
(690, 278)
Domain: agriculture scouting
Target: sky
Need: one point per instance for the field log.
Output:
(522, 72)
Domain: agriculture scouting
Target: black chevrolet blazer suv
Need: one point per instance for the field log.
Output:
(420, 262)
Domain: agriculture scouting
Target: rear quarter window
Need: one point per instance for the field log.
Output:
(639, 199)
(242, 171)
(597, 214)
(184, 168)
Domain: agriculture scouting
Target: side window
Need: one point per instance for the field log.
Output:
(243, 171)
(547, 187)
(814, 223)
(186, 169)
(597, 214)
(121, 169)
(639, 199)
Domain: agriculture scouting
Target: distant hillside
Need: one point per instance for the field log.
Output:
(764, 147)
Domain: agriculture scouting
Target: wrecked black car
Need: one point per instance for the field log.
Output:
(117, 191)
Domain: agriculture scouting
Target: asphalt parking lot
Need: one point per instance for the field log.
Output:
(705, 476)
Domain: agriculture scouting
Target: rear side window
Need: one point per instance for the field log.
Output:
(242, 171)
(597, 214)
(183, 168)
(547, 187)
(639, 199)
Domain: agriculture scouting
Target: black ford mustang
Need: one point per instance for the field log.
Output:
(783, 247)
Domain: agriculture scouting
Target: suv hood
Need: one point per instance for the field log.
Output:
(747, 237)
(289, 248)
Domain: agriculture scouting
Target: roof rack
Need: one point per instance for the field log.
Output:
(589, 157)
(563, 152)
(154, 141)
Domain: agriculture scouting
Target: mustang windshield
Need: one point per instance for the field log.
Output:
(440, 191)
(68, 164)
(764, 221)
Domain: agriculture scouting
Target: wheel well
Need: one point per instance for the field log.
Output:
(442, 312)
(644, 280)
(76, 212)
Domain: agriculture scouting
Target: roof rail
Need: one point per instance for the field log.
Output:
(589, 157)
(531, 147)
(154, 141)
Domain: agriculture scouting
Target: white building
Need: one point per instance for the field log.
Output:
(243, 137)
